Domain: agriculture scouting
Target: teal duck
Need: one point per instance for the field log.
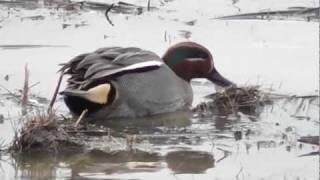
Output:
(117, 82)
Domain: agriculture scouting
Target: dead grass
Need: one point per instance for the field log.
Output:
(41, 131)
(233, 99)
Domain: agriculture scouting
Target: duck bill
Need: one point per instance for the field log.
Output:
(219, 80)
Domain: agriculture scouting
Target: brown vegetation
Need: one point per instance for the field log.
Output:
(42, 132)
(234, 99)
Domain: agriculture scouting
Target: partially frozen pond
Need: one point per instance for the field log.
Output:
(281, 56)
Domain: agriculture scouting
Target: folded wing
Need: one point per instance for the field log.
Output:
(106, 63)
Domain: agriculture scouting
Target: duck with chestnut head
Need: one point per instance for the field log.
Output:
(117, 82)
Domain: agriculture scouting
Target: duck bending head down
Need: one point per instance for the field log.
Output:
(117, 82)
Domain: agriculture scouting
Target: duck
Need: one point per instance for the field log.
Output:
(129, 82)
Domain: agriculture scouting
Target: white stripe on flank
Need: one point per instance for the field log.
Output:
(136, 66)
(142, 65)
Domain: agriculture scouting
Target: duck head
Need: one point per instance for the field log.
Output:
(191, 60)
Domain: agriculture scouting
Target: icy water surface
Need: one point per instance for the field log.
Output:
(281, 56)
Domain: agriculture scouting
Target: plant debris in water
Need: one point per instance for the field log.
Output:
(310, 140)
(42, 132)
(189, 161)
(244, 99)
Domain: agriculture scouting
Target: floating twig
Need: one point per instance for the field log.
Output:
(54, 97)
(6, 77)
(106, 14)
(10, 92)
(33, 85)
(240, 171)
(25, 91)
(148, 8)
(225, 154)
(84, 112)
(165, 36)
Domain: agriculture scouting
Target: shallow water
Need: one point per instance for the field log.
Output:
(281, 56)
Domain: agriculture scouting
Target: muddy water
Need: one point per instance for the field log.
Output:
(281, 56)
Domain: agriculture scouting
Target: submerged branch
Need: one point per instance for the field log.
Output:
(106, 14)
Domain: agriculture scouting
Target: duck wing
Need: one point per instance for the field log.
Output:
(108, 62)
